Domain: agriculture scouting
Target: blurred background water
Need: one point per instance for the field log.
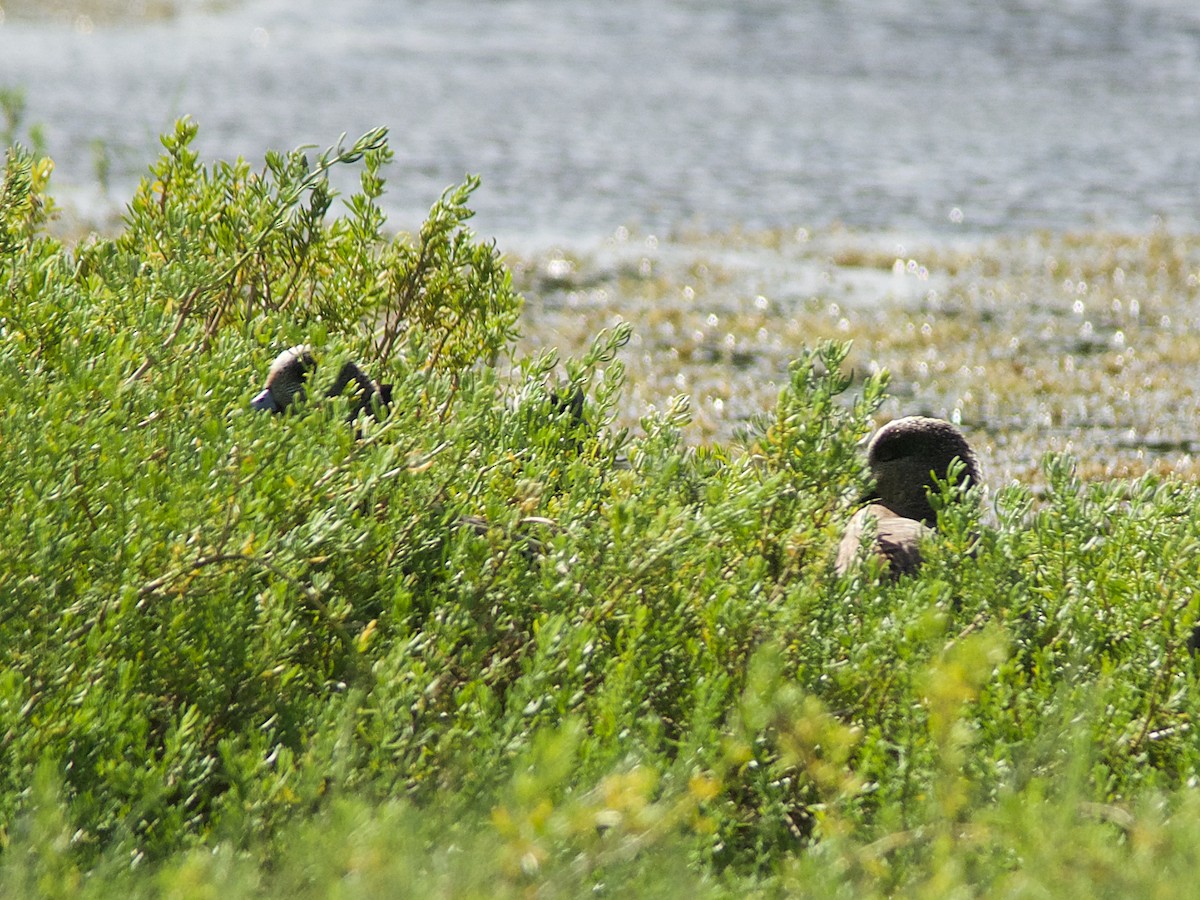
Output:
(926, 116)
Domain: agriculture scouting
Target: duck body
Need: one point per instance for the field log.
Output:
(897, 539)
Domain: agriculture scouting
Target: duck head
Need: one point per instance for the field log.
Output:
(365, 391)
(906, 454)
(285, 380)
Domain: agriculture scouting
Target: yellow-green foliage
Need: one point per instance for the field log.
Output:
(463, 648)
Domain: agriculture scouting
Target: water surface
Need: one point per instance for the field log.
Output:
(920, 115)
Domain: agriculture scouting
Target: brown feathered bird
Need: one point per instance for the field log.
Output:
(904, 456)
(289, 374)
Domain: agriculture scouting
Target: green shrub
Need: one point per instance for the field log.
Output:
(280, 653)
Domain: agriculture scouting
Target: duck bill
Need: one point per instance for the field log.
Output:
(264, 402)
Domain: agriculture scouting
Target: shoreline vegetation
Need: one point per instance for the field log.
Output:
(84, 16)
(1082, 343)
(469, 650)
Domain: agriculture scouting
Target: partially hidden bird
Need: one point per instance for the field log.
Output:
(904, 457)
(289, 373)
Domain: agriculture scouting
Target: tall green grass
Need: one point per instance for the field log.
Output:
(462, 651)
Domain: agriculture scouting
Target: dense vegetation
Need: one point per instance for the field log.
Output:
(465, 650)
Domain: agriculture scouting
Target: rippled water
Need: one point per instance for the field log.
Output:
(922, 115)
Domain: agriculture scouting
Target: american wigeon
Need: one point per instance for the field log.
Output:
(289, 373)
(904, 456)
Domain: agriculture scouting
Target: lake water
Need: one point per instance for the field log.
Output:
(929, 116)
